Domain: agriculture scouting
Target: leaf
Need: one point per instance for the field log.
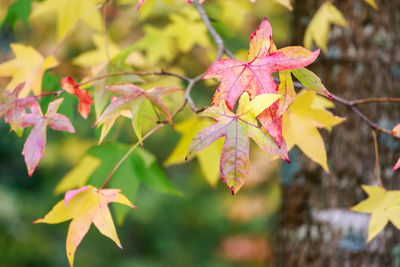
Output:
(396, 131)
(372, 3)
(318, 29)
(34, 146)
(97, 58)
(85, 101)
(158, 45)
(300, 124)
(208, 158)
(188, 29)
(131, 100)
(68, 12)
(99, 161)
(254, 76)
(85, 206)
(19, 10)
(237, 129)
(285, 3)
(28, 66)
(397, 165)
(14, 108)
(311, 81)
(79, 175)
(377, 204)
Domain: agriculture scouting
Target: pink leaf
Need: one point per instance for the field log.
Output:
(85, 101)
(72, 193)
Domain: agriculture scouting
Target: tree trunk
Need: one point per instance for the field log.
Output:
(316, 227)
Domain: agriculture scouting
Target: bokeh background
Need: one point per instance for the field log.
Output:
(285, 215)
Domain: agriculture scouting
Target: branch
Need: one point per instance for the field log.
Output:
(352, 105)
(128, 153)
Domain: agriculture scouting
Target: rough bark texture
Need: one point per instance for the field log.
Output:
(316, 228)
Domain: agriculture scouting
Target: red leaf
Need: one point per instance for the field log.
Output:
(85, 101)
(254, 76)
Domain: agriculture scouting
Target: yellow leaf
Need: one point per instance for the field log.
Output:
(300, 124)
(188, 30)
(233, 13)
(378, 204)
(318, 29)
(28, 66)
(208, 158)
(285, 3)
(79, 175)
(97, 56)
(85, 206)
(68, 12)
(372, 3)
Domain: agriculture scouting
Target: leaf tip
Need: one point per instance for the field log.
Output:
(232, 190)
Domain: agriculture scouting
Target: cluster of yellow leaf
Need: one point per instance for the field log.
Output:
(318, 28)
(384, 206)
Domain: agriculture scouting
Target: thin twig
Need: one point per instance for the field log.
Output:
(139, 73)
(375, 100)
(128, 153)
(378, 174)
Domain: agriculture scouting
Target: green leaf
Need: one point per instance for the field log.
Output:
(311, 81)
(19, 10)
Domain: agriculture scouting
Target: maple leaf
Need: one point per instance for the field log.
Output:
(28, 66)
(188, 29)
(14, 108)
(285, 3)
(300, 123)
(237, 129)
(208, 157)
(396, 131)
(69, 85)
(254, 76)
(85, 206)
(318, 29)
(34, 146)
(372, 3)
(397, 165)
(378, 204)
(68, 12)
(131, 100)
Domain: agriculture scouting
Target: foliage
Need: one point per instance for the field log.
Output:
(255, 99)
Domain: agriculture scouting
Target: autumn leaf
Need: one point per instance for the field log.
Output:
(14, 108)
(300, 123)
(285, 3)
(311, 81)
(68, 12)
(378, 205)
(34, 146)
(28, 67)
(130, 101)
(318, 29)
(208, 158)
(188, 30)
(372, 3)
(237, 129)
(85, 206)
(254, 76)
(69, 85)
(396, 131)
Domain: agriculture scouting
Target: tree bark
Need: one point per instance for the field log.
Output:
(363, 60)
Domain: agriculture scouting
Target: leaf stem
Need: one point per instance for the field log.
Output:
(128, 153)
(378, 175)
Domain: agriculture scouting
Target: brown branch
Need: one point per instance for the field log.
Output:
(375, 100)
